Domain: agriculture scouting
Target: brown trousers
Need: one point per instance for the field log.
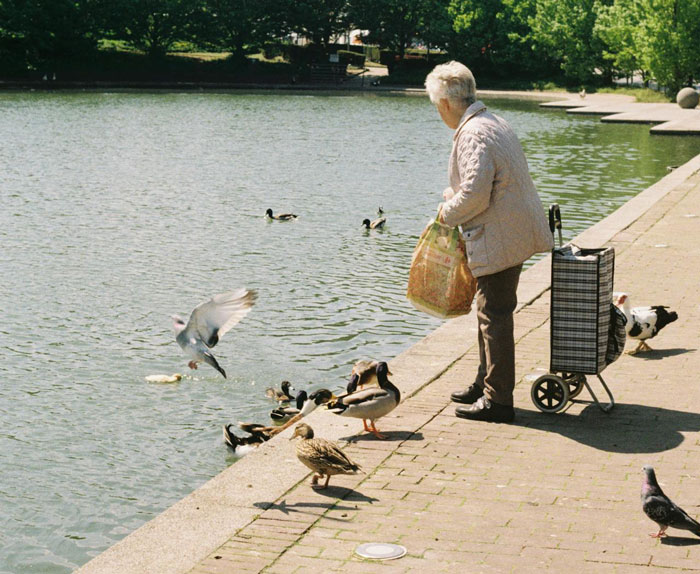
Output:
(496, 300)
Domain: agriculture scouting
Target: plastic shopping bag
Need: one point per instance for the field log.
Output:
(440, 282)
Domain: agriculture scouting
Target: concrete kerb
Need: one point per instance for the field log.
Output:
(190, 530)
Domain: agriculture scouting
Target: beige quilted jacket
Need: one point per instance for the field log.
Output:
(492, 195)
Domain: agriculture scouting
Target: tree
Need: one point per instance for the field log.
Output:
(618, 27)
(435, 27)
(240, 25)
(318, 20)
(392, 24)
(150, 25)
(566, 28)
(44, 33)
(667, 40)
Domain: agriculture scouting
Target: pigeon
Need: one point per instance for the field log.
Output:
(209, 322)
(661, 509)
(644, 322)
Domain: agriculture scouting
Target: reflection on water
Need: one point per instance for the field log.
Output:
(117, 211)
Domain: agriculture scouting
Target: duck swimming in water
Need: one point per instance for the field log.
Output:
(260, 433)
(281, 216)
(243, 445)
(284, 412)
(281, 395)
(376, 224)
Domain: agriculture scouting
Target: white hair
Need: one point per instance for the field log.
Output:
(451, 81)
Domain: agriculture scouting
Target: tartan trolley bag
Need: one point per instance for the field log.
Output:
(586, 330)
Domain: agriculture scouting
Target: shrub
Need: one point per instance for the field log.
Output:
(351, 58)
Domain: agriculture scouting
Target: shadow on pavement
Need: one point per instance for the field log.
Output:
(657, 354)
(628, 428)
(336, 494)
(680, 541)
(390, 436)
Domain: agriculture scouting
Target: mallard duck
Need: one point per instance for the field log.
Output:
(314, 400)
(284, 412)
(281, 216)
(260, 433)
(376, 224)
(644, 322)
(363, 373)
(371, 403)
(321, 455)
(174, 378)
(281, 395)
(243, 445)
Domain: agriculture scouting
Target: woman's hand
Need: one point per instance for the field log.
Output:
(448, 193)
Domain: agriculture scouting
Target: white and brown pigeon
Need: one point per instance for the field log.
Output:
(661, 509)
(643, 322)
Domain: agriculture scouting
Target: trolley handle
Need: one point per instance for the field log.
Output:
(555, 220)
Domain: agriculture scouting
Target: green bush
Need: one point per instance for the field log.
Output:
(351, 58)
(272, 50)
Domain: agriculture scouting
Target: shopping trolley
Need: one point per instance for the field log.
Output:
(587, 332)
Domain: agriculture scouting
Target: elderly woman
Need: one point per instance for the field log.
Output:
(494, 200)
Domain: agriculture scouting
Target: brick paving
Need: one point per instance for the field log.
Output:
(546, 493)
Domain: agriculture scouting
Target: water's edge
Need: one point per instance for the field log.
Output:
(184, 534)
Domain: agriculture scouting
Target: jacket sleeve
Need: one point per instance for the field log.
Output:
(476, 173)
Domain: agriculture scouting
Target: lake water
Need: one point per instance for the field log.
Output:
(118, 210)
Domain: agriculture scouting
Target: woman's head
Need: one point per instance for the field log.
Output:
(452, 81)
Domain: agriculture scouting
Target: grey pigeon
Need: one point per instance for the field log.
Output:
(209, 322)
(661, 509)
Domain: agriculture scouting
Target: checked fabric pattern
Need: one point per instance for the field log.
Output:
(582, 287)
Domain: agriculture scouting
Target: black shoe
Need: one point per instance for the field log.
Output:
(484, 410)
(469, 396)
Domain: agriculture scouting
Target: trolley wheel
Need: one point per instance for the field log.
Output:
(550, 393)
(576, 383)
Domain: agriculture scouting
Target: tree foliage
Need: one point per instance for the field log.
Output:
(318, 20)
(237, 26)
(667, 41)
(566, 28)
(46, 32)
(586, 41)
(393, 24)
(150, 25)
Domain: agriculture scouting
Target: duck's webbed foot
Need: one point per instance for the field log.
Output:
(192, 365)
(375, 431)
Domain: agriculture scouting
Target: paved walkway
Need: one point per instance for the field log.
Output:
(550, 492)
(615, 108)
